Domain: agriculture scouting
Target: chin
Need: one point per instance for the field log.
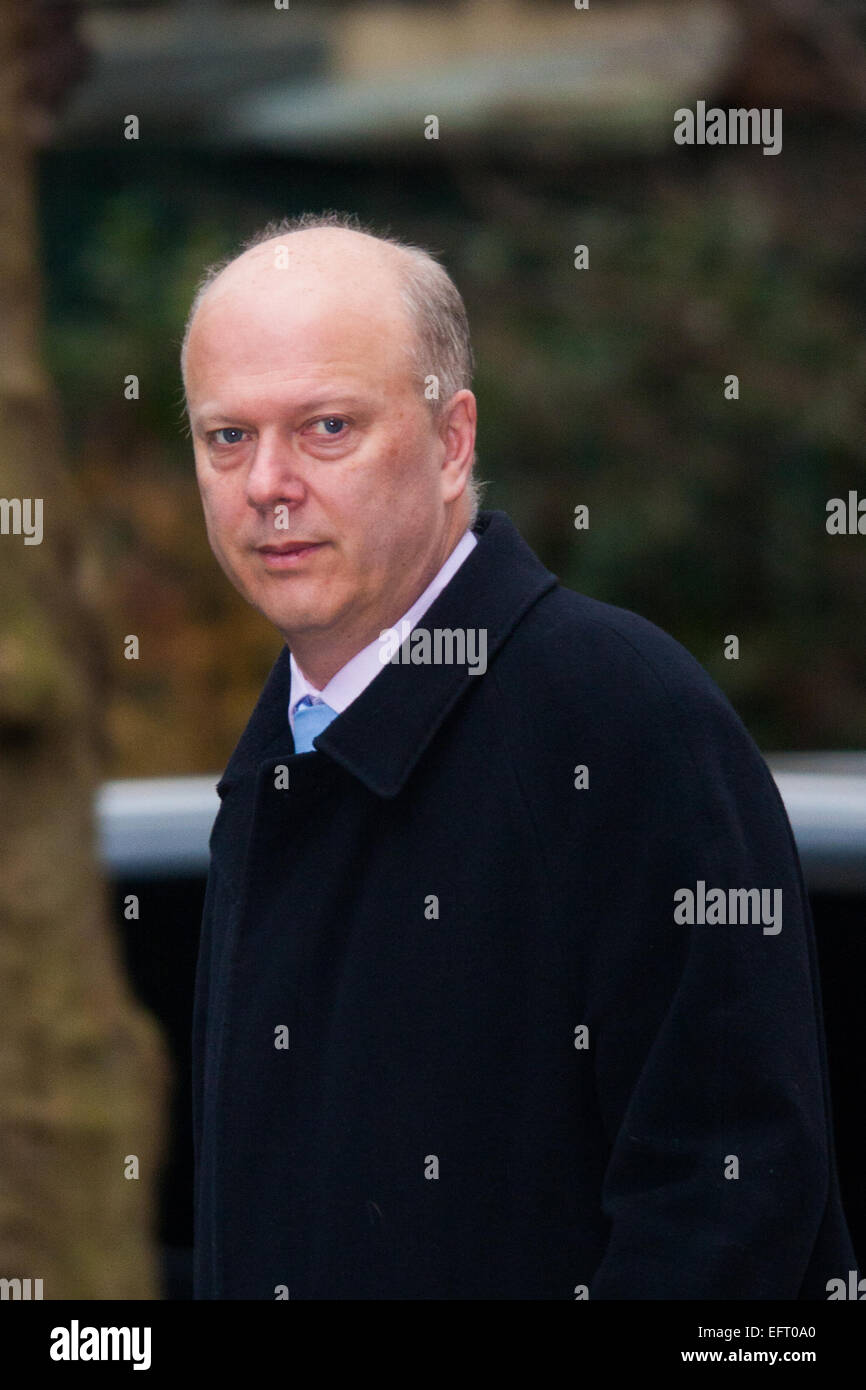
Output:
(294, 621)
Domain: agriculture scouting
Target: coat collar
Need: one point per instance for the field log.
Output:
(383, 733)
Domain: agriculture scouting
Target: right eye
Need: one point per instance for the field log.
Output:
(228, 430)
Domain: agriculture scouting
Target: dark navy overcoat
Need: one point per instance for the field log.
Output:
(450, 1039)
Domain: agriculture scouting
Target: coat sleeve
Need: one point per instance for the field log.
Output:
(709, 1059)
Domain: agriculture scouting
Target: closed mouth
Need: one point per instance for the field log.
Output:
(292, 548)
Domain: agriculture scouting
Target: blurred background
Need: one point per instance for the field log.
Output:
(602, 386)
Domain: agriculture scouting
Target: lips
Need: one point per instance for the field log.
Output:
(290, 554)
(289, 548)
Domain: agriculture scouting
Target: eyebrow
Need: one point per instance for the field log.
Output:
(334, 399)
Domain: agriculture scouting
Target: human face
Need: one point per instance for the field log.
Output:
(319, 462)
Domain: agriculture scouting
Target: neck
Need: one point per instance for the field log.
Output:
(321, 655)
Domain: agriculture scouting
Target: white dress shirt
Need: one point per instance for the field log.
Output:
(348, 683)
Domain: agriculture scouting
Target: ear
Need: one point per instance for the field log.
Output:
(457, 427)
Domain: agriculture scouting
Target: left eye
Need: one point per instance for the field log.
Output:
(229, 430)
(333, 424)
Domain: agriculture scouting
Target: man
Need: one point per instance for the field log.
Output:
(507, 985)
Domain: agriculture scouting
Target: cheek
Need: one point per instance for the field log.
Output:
(205, 488)
(218, 497)
(211, 515)
(406, 465)
(218, 518)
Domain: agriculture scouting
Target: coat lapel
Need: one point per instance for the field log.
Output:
(383, 733)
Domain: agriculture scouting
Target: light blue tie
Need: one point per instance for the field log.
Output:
(310, 721)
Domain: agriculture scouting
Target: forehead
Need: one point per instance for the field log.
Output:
(332, 313)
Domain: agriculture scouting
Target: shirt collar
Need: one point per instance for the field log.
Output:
(348, 683)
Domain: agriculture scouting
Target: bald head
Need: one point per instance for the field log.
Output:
(326, 267)
(317, 298)
(441, 346)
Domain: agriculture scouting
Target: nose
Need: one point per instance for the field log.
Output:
(274, 475)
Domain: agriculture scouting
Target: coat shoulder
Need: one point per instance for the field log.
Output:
(582, 664)
(570, 641)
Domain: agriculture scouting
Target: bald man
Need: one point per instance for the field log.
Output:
(507, 984)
